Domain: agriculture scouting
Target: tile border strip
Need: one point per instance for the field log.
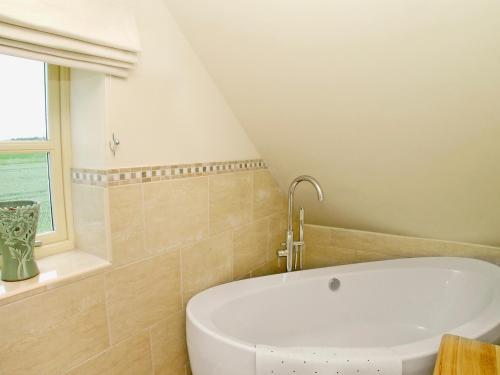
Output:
(138, 175)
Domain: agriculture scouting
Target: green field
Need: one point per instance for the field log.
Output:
(25, 176)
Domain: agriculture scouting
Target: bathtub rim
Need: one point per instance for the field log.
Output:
(474, 329)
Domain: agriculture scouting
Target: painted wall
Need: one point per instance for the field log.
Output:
(168, 111)
(392, 105)
(89, 126)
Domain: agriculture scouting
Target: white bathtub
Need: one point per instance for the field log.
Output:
(406, 305)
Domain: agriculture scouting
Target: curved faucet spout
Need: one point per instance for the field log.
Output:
(291, 192)
(290, 245)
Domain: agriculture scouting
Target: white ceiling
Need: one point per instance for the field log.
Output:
(393, 105)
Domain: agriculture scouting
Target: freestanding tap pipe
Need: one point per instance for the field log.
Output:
(289, 233)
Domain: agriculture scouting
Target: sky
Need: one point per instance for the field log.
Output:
(22, 98)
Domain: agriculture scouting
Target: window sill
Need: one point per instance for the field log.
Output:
(53, 249)
(55, 270)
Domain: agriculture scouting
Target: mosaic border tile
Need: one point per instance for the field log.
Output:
(95, 177)
(138, 175)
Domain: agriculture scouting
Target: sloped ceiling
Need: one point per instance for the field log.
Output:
(393, 105)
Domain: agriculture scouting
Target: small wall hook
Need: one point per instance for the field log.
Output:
(113, 144)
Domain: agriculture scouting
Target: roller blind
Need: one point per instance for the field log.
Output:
(97, 35)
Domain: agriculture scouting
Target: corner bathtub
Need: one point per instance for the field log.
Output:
(405, 304)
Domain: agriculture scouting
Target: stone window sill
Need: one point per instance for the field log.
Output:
(55, 270)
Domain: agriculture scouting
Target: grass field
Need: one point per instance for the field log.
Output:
(25, 176)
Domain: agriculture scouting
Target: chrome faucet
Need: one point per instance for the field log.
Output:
(290, 246)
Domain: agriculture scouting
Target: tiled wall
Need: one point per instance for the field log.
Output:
(91, 219)
(327, 246)
(169, 240)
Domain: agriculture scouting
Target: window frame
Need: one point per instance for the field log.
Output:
(58, 147)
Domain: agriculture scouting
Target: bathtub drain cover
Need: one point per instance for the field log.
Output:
(334, 284)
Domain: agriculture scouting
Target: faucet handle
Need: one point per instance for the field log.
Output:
(283, 253)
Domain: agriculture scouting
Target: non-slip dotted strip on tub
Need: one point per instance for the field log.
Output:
(326, 361)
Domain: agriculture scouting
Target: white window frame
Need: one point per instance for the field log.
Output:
(58, 147)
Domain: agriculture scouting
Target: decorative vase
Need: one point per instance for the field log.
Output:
(18, 222)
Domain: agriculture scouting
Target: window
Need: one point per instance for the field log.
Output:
(33, 138)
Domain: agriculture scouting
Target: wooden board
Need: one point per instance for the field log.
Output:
(461, 356)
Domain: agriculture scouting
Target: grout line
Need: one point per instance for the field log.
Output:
(168, 250)
(106, 309)
(269, 240)
(209, 183)
(252, 187)
(79, 364)
(181, 281)
(150, 333)
(232, 255)
(108, 349)
(143, 212)
(190, 243)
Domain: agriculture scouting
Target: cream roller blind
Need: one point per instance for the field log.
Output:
(90, 34)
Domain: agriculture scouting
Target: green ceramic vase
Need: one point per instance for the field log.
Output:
(18, 222)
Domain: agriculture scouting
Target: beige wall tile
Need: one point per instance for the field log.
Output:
(168, 341)
(491, 255)
(267, 197)
(127, 223)
(361, 256)
(321, 249)
(277, 235)
(142, 293)
(53, 331)
(206, 264)
(245, 276)
(250, 247)
(176, 212)
(270, 268)
(318, 236)
(335, 246)
(130, 357)
(350, 246)
(457, 249)
(377, 242)
(359, 240)
(89, 205)
(230, 201)
(331, 256)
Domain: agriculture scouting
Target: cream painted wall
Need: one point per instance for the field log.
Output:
(88, 119)
(392, 105)
(168, 111)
